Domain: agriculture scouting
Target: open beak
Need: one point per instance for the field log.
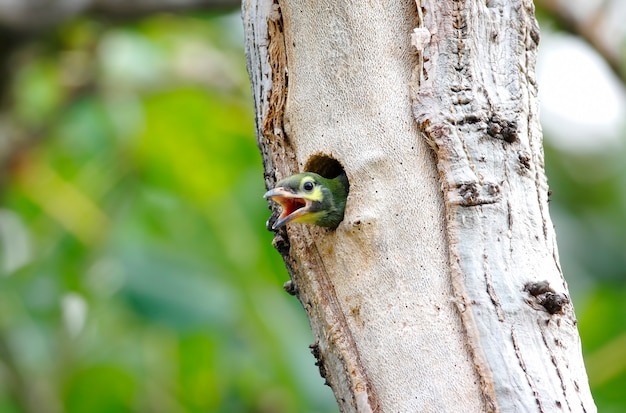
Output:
(293, 206)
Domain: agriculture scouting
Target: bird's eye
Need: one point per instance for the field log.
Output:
(308, 186)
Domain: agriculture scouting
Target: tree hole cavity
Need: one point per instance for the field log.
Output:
(324, 165)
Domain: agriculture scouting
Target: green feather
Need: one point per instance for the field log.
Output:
(311, 199)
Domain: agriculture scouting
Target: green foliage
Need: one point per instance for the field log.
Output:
(137, 271)
(588, 208)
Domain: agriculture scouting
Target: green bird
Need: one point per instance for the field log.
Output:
(310, 199)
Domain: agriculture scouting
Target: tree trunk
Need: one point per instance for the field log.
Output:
(441, 290)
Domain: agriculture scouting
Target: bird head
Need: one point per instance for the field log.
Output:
(310, 199)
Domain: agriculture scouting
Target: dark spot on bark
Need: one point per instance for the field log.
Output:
(319, 361)
(290, 288)
(469, 193)
(280, 241)
(553, 302)
(503, 129)
(538, 288)
(524, 159)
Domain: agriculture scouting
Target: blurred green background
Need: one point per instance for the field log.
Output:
(136, 271)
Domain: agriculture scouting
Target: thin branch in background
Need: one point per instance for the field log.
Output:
(592, 28)
(31, 16)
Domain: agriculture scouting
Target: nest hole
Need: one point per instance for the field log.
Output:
(324, 165)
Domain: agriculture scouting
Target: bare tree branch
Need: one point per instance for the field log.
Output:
(595, 28)
(34, 15)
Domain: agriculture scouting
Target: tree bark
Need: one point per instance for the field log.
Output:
(441, 290)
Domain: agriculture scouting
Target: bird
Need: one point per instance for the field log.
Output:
(310, 198)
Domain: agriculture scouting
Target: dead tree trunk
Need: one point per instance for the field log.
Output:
(441, 290)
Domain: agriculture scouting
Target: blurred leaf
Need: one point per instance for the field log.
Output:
(37, 91)
(165, 289)
(101, 389)
(195, 143)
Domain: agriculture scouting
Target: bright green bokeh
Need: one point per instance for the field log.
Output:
(137, 274)
(144, 278)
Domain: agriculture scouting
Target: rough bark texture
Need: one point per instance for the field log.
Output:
(421, 300)
(477, 104)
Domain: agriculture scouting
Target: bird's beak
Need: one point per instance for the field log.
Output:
(293, 205)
